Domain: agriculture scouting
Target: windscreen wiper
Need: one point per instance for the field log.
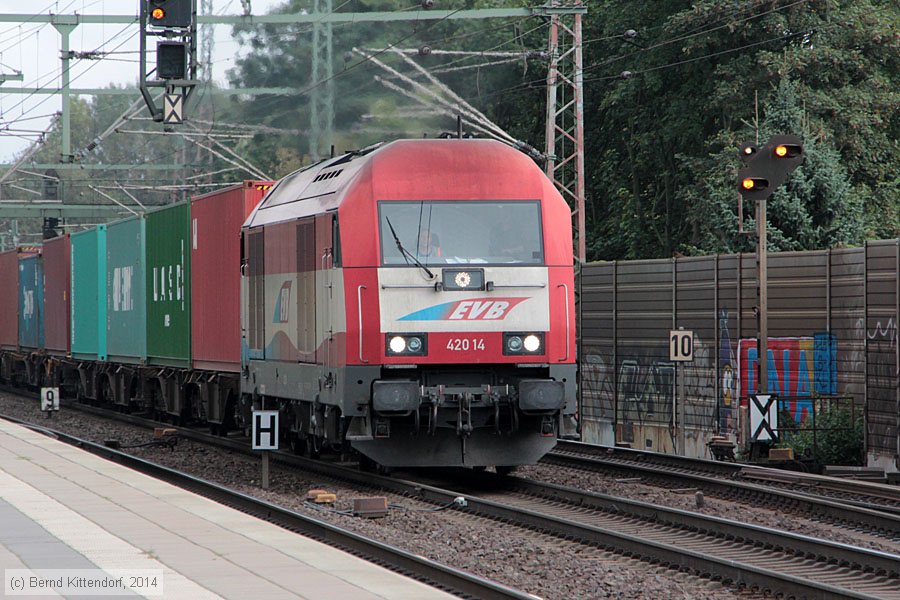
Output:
(404, 252)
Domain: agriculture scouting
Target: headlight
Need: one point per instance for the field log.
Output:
(397, 344)
(406, 344)
(523, 343)
(532, 343)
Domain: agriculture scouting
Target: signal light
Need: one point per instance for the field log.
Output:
(788, 150)
(754, 183)
(748, 150)
(169, 13)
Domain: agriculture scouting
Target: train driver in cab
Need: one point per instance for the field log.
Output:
(429, 246)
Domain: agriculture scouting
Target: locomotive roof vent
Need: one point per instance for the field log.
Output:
(328, 175)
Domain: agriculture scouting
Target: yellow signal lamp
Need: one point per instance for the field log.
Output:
(788, 150)
(157, 14)
(751, 184)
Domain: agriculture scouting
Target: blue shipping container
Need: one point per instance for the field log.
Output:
(31, 302)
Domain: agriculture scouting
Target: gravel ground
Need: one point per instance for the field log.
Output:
(617, 485)
(521, 559)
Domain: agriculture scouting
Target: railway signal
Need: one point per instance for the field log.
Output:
(768, 167)
(176, 56)
(765, 169)
(169, 13)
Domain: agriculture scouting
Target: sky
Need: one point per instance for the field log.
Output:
(34, 50)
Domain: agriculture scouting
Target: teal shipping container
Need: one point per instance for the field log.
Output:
(126, 278)
(168, 282)
(88, 295)
(31, 302)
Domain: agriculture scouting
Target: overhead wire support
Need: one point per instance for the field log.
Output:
(108, 197)
(253, 169)
(452, 103)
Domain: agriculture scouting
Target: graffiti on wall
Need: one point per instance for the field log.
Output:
(797, 368)
(646, 390)
(597, 387)
(728, 404)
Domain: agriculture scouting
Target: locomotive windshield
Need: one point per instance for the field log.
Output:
(447, 232)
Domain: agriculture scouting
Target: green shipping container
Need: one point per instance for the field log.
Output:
(169, 286)
(126, 306)
(88, 294)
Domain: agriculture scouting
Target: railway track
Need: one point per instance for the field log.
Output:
(746, 555)
(396, 559)
(859, 505)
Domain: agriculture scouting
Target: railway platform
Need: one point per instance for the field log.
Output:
(65, 511)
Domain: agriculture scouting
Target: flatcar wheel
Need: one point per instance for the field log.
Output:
(104, 391)
(297, 444)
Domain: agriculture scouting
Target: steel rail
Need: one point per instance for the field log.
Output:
(417, 567)
(728, 479)
(810, 552)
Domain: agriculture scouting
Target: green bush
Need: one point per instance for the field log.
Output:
(838, 439)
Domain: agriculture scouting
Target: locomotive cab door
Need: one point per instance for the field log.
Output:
(325, 302)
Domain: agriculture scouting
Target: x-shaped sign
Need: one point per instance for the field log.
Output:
(763, 404)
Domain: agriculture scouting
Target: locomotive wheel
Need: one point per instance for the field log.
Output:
(298, 446)
(370, 466)
(313, 447)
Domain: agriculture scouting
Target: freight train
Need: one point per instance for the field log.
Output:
(412, 301)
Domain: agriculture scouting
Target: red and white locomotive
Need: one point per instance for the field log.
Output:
(415, 300)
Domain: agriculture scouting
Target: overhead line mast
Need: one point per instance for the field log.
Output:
(565, 110)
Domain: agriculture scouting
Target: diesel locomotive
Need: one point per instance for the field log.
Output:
(414, 300)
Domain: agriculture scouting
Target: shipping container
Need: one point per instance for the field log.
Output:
(168, 285)
(126, 278)
(216, 220)
(31, 302)
(9, 299)
(88, 298)
(57, 272)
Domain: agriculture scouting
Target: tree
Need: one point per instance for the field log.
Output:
(661, 143)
